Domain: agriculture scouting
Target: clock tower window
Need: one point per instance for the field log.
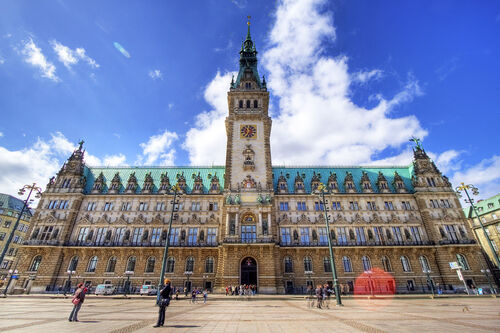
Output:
(248, 103)
(241, 104)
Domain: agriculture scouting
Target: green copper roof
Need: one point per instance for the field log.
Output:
(484, 206)
(248, 61)
(357, 172)
(206, 173)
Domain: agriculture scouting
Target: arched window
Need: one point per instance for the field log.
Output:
(406, 264)
(189, 264)
(209, 265)
(386, 264)
(462, 261)
(326, 265)
(150, 265)
(248, 103)
(346, 262)
(240, 104)
(131, 264)
(288, 265)
(308, 267)
(424, 263)
(35, 264)
(73, 263)
(92, 264)
(367, 264)
(255, 104)
(110, 268)
(170, 265)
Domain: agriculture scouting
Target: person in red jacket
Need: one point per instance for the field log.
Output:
(77, 301)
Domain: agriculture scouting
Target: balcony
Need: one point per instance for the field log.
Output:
(355, 243)
(142, 244)
(249, 241)
(456, 241)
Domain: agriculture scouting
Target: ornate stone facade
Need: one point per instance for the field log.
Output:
(247, 221)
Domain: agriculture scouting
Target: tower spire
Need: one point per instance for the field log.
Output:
(248, 32)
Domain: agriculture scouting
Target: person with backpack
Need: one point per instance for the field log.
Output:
(162, 302)
(77, 301)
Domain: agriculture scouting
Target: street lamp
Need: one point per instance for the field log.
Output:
(320, 192)
(38, 194)
(127, 284)
(463, 187)
(369, 273)
(175, 208)
(12, 272)
(486, 272)
(427, 272)
(204, 278)
(68, 285)
(188, 274)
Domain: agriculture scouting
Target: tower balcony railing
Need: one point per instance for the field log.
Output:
(239, 240)
(138, 244)
(358, 243)
(456, 241)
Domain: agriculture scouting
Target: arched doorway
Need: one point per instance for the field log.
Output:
(248, 272)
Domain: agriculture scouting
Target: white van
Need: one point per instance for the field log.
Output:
(105, 289)
(148, 290)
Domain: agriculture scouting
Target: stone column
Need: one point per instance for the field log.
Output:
(237, 225)
(269, 229)
(227, 224)
(259, 228)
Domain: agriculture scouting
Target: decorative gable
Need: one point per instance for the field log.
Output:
(98, 184)
(214, 184)
(315, 181)
(131, 183)
(349, 183)
(382, 184)
(299, 184)
(148, 184)
(333, 185)
(116, 184)
(366, 185)
(398, 183)
(282, 184)
(198, 184)
(164, 184)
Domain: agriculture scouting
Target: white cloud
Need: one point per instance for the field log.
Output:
(155, 74)
(1, 134)
(158, 149)
(2, 60)
(170, 106)
(484, 175)
(114, 160)
(447, 161)
(317, 122)
(34, 56)
(71, 57)
(206, 141)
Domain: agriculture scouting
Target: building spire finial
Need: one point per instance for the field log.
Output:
(248, 23)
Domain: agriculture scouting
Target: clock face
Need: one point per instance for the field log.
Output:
(248, 131)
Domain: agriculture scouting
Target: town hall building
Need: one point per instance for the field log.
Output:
(249, 222)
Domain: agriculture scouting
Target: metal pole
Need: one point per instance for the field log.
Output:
(493, 291)
(429, 281)
(332, 261)
(495, 255)
(167, 243)
(7, 244)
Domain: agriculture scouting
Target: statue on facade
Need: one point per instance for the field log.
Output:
(268, 199)
(237, 199)
(229, 200)
(260, 199)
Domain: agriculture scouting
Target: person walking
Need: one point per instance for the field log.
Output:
(319, 295)
(193, 296)
(77, 301)
(163, 302)
(205, 296)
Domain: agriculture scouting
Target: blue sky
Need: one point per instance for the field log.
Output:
(350, 82)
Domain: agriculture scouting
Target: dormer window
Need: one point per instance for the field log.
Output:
(248, 85)
(350, 186)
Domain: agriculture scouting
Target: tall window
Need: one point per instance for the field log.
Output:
(189, 264)
(156, 236)
(174, 236)
(308, 264)
(326, 265)
(323, 236)
(288, 265)
(192, 236)
(73, 264)
(406, 264)
(353, 205)
(452, 232)
(388, 205)
(150, 265)
(462, 260)
(360, 235)
(46, 231)
(371, 205)
(108, 206)
(304, 236)
(170, 265)
(415, 232)
(212, 236)
(285, 236)
(248, 233)
(346, 262)
(336, 205)
(110, 268)
(131, 264)
(35, 264)
(160, 206)
(378, 234)
(119, 234)
(209, 265)
(386, 264)
(342, 236)
(137, 236)
(283, 206)
(318, 206)
(367, 264)
(92, 264)
(101, 235)
(301, 205)
(424, 263)
(398, 236)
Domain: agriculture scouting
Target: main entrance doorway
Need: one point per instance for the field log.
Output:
(248, 271)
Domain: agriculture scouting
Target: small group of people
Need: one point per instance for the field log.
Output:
(319, 295)
(241, 290)
(198, 291)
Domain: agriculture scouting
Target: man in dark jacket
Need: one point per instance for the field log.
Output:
(163, 302)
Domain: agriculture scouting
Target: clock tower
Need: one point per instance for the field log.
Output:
(248, 127)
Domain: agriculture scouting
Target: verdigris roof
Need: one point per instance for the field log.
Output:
(484, 206)
(8, 201)
(307, 173)
(206, 173)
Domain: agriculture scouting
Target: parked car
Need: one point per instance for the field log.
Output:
(148, 290)
(105, 289)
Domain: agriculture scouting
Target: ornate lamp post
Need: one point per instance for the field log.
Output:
(12, 272)
(175, 208)
(486, 273)
(127, 284)
(38, 193)
(463, 187)
(68, 285)
(320, 191)
(188, 274)
(427, 272)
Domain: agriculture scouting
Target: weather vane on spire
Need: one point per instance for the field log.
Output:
(248, 17)
(417, 141)
(81, 144)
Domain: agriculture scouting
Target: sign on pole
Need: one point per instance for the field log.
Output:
(460, 276)
(454, 265)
